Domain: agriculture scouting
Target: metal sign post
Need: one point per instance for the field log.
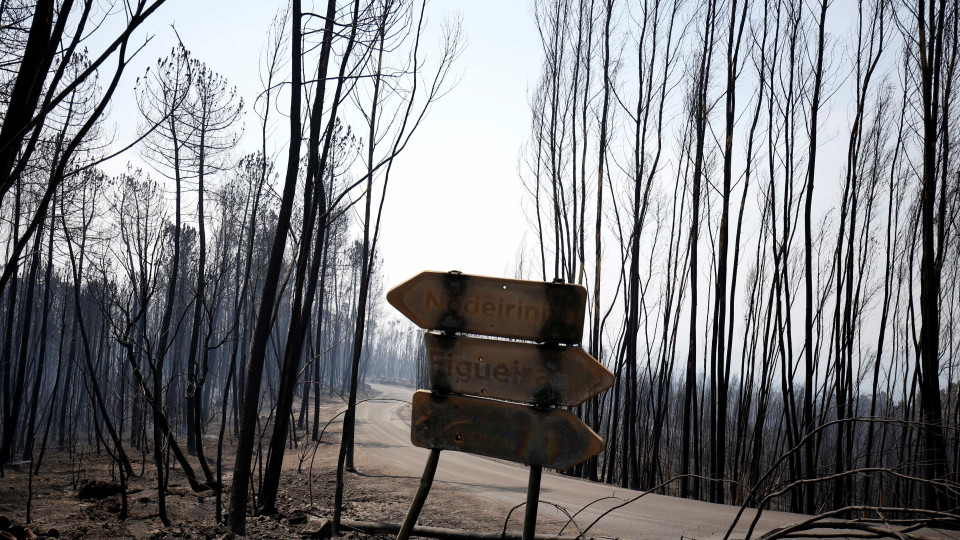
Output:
(426, 481)
(473, 379)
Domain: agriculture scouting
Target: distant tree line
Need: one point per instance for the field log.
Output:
(762, 199)
(205, 297)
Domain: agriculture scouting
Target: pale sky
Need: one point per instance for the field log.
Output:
(454, 200)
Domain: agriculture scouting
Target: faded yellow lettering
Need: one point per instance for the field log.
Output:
(432, 302)
(501, 373)
(463, 372)
(485, 374)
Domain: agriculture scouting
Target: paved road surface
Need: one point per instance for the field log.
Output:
(384, 436)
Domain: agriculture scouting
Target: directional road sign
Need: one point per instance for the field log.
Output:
(512, 308)
(515, 371)
(551, 438)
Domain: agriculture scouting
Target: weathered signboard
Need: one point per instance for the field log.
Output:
(548, 370)
(551, 438)
(511, 308)
(515, 371)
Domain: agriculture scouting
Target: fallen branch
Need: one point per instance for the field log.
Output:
(377, 527)
(563, 510)
(872, 528)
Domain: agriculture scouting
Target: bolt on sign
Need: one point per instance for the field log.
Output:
(474, 379)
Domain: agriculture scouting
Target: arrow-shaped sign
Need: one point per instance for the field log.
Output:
(512, 308)
(552, 438)
(541, 374)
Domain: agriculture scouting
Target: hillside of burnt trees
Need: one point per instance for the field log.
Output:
(762, 198)
(198, 293)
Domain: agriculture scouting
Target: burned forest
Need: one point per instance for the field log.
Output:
(760, 199)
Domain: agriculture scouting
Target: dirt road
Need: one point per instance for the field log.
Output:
(383, 435)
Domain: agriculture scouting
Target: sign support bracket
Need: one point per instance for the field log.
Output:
(533, 500)
(426, 481)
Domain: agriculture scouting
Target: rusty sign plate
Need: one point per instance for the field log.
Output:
(542, 374)
(551, 438)
(512, 308)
